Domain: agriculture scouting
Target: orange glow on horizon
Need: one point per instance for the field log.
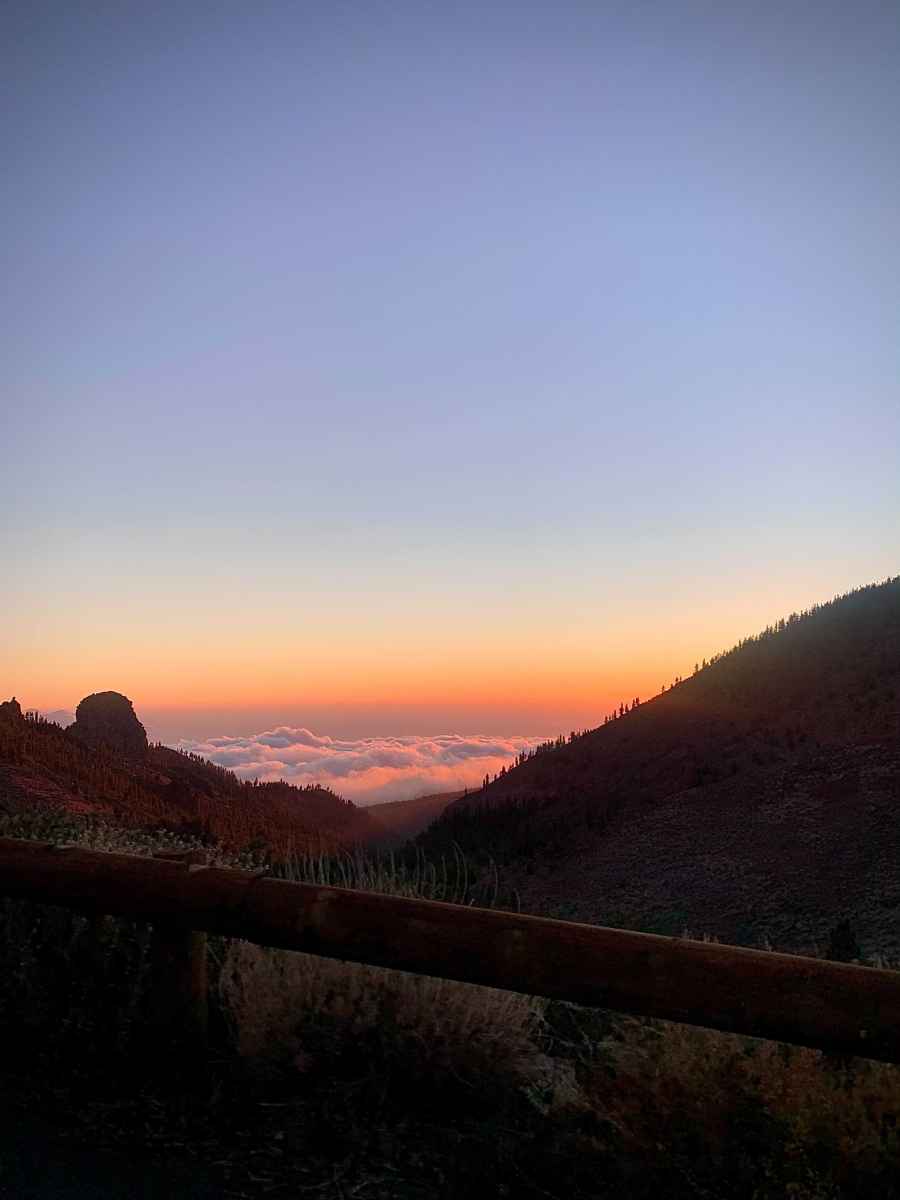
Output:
(484, 662)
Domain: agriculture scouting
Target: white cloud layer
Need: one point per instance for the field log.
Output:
(369, 770)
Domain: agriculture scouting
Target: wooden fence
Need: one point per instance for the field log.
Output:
(838, 1007)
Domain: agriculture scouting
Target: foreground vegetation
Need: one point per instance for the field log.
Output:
(343, 1079)
(151, 786)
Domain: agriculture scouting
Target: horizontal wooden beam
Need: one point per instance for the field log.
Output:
(810, 1002)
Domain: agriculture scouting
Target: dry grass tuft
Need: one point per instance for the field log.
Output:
(793, 1121)
(304, 1010)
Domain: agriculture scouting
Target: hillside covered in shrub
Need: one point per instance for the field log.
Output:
(756, 799)
(103, 766)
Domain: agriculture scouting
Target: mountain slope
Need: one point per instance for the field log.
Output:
(400, 820)
(43, 764)
(756, 799)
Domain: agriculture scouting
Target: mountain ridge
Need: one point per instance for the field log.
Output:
(126, 780)
(804, 712)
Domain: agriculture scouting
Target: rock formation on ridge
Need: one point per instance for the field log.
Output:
(108, 719)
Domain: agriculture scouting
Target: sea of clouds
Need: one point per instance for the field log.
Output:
(368, 770)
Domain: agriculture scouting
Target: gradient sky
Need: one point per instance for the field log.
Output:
(407, 368)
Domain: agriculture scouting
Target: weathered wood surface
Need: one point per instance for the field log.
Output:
(833, 1006)
(178, 1001)
(178, 1006)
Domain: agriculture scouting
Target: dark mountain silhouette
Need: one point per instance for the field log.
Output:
(103, 766)
(759, 798)
(401, 820)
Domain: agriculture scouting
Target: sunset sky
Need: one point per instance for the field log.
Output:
(416, 369)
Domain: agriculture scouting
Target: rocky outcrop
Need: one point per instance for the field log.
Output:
(10, 710)
(108, 719)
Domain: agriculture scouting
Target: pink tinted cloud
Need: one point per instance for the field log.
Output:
(369, 770)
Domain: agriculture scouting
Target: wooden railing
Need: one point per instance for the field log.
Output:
(838, 1007)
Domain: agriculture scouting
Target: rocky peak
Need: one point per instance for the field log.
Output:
(10, 710)
(108, 719)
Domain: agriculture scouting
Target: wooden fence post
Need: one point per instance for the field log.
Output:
(179, 1009)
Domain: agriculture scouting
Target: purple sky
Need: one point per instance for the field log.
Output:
(479, 364)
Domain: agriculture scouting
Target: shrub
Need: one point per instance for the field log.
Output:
(297, 1009)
